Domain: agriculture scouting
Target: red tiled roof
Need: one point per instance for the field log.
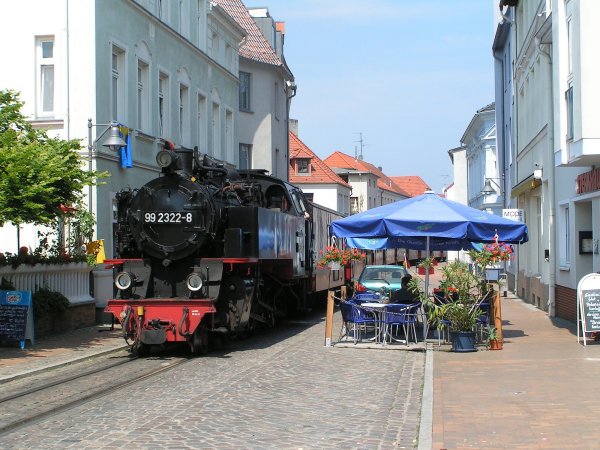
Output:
(320, 173)
(255, 46)
(342, 161)
(412, 184)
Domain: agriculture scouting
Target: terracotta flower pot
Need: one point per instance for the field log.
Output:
(495, 344)
(421, 270)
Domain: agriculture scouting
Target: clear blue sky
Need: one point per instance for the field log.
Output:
(407, 74)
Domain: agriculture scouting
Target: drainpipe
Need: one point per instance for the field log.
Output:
(68, 69)
(551, 197)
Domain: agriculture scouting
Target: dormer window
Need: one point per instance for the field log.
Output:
(303, 166)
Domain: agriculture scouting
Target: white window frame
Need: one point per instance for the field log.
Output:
(163, 103)
(45, 66)
(216, 130)
(143, 96)
(184, 18)
(184, 114)
(565, 233)
(117, 86)
(245, 156)
(162, 10)
(201, 24)
(202, 122)
(229, 150)
(276, 101)
(245, 91)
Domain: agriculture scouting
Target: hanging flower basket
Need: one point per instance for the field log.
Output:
(334, 257)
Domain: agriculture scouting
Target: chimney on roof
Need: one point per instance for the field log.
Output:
(380, 168)
(293, 126)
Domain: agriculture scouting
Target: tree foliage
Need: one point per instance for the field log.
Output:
(37, 173)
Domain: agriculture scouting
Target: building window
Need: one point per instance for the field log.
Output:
(244, 91)
(302, 166)
(45, 75)
(216, 131)
(118, 84)
(569, 104)
(276, 99)
(163, 104)
(162, 10)
(184, 114)
(245, 156)
(229, 151)
(354, 205)
(565, 231)
(201, 24)
(201, 123)
(143, 96)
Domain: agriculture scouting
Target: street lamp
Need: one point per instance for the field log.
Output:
(488, 189)
(113, 142)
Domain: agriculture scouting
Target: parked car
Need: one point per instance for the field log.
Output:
(374, 278)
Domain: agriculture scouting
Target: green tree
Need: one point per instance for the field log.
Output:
(37, 173)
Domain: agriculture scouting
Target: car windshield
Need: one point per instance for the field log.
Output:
(388, 274)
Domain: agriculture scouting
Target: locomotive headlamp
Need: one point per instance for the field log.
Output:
(194, 282)
(164, 158)
(124, 280)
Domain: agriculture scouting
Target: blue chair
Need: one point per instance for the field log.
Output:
(396, 315)
(483, 321)
(353, 316)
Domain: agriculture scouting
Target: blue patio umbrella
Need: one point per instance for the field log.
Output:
(427, 222)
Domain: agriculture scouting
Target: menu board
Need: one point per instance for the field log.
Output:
(590, 302)
(16, 316)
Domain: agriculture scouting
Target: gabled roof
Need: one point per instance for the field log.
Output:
(320, 173)
(413, 184)
(255, 47)
(342, 161)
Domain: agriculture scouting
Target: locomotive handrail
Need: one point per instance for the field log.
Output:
(183, 317)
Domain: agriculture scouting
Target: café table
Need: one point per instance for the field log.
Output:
(379, 310)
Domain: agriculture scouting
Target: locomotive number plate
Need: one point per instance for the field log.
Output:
(168, 217)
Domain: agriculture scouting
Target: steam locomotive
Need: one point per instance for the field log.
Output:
(204, 249)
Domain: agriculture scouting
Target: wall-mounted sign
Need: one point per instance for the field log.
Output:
(588, 181)
(518, 215)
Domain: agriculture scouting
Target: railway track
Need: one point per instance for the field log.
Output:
(39, 397)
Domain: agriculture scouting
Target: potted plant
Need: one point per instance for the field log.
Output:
(494, 342)
(426, 265)
(465, 293)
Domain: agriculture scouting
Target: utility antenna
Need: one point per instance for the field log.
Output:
(362, 145)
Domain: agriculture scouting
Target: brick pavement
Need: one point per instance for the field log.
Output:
(539, 392)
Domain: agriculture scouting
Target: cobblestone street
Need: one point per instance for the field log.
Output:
(282, 389)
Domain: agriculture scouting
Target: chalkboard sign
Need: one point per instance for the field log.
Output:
(588, 305)
(591, 309)
(16, 316)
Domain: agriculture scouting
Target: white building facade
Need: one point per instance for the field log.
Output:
(266, 89)
(165, 71)
(545, 49)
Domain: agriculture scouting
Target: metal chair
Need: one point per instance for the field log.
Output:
(355, 316)
(396, 315)
(483, 321)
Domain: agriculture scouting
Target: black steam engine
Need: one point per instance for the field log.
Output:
(204, 249)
